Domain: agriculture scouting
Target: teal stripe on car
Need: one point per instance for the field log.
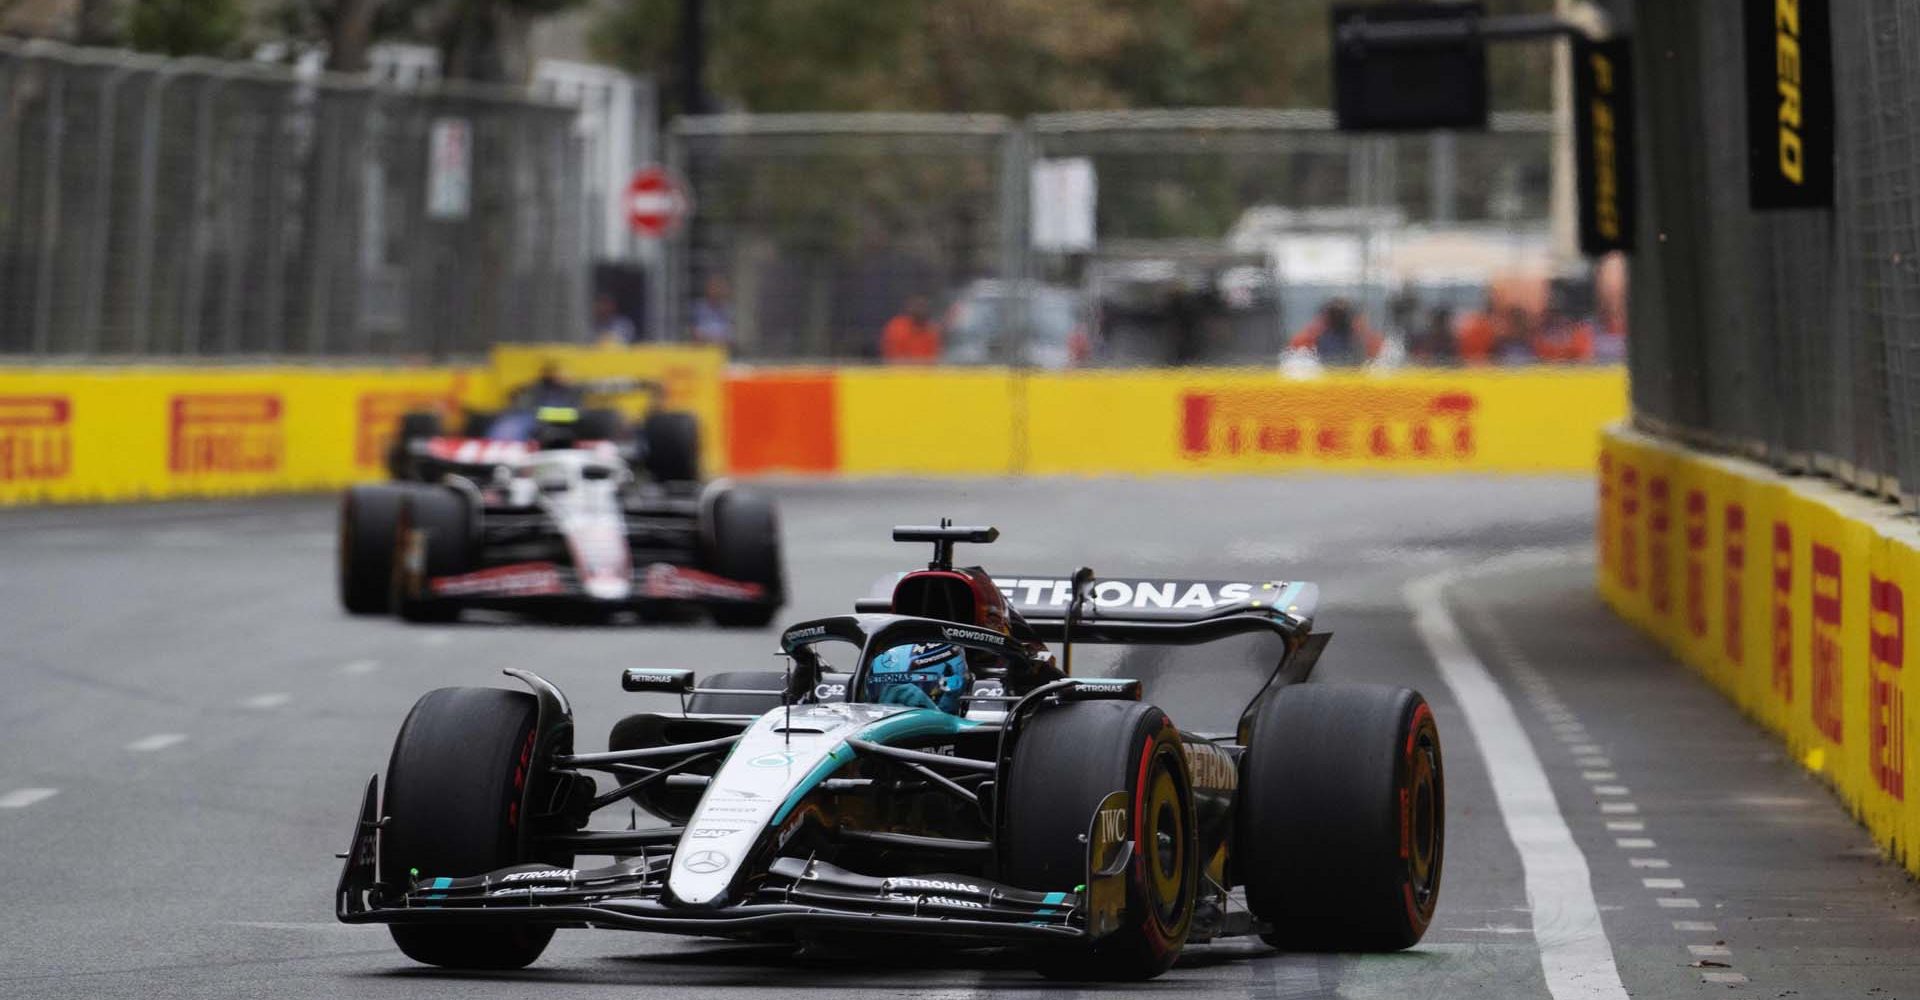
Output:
(915, 722)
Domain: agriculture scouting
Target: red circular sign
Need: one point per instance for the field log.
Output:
(656, 202)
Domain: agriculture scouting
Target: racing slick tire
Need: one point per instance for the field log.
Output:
(599, 425)
(478, 423)
(444, 517)
(1066, 761)
(1342, 818)
(453, 792)
(672, 443)
(369, 518)
(745, 547)
(774, 684)
(413, 427)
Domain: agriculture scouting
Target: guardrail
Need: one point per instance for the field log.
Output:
(124, 433)
(1789, 594)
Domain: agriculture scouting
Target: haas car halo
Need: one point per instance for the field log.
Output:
(562, 524)
(952, 779)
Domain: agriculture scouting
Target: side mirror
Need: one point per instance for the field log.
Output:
(678, 682)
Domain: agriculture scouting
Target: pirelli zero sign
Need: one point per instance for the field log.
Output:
(1789, 104)
(1603, 143)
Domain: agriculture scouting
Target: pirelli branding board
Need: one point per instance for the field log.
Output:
(1603, 144)
(230, 432)
(36, 438)
(1789, 104)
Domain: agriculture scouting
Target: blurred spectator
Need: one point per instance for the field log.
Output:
(611, 327)
(1433, 342)
(713, 314)
(1513, 338)
(1403, 317)
(911, 337)
(1563, 338)
(1338, 335)
(1475, 340)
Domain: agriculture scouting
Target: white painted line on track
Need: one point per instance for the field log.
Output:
(1663, 883)
(1625, 825)
(156, 742)
(1724, 978)
(1576, 959)
(20, 798)
(1709, 950)
(1594, 762)
(1695, 926)
(1633, 843)
(360, 668)
(1677, 903)
(1585, 748)
(1619, 808)
(1610, 790)
(273, 699)
(1599, 775)
(1655, 863)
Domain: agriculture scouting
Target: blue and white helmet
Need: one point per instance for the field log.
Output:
(924, 675)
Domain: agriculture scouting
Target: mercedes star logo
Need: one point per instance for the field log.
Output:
(704, 862)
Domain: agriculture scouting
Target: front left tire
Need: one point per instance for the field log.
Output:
(454, 789)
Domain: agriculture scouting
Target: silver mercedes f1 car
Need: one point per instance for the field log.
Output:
(926, 766)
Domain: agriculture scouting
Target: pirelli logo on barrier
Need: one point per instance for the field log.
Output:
(1783, 611)
(1629, 527)
(1886, 705)
(36, 439)
(1328, 422)
(1694, 531)
(225, 433)
(1824, 682)
(1789, 104)
(1659, 551)
(1733, 546)
(377, 418)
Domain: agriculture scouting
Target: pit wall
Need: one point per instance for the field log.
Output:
(1789, 595)
(128, 433)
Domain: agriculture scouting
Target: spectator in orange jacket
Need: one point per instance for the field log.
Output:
(1475, 340)
(910, 337)
(1338, 335)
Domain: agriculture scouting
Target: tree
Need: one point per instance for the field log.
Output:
(1014, 56)
(186, 27)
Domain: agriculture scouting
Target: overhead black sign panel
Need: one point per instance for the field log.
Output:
(1603, 144)
(1382, 82)
(1789, 104)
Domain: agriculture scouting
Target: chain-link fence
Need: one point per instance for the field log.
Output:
(1792, 336)
(1138, 237)
(186, 207)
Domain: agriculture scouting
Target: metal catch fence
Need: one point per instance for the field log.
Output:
(1794, 336)
(155, 207)
(1179, 236)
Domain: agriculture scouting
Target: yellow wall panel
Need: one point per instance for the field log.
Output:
(915, 421)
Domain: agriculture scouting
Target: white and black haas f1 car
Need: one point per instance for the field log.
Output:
(664, 446)
(957, 781)
(563, 530)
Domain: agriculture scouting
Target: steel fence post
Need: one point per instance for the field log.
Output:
(144, 208)
(101, 229)
(51, 194)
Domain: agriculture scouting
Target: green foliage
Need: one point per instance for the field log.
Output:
(187, 27)
(1015, 56)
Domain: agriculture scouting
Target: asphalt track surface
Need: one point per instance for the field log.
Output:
(187, 720)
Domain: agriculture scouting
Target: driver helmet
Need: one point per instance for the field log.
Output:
(556, 427)
(923, 675)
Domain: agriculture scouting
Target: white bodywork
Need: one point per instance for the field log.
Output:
(778, 758)
(581, 490)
